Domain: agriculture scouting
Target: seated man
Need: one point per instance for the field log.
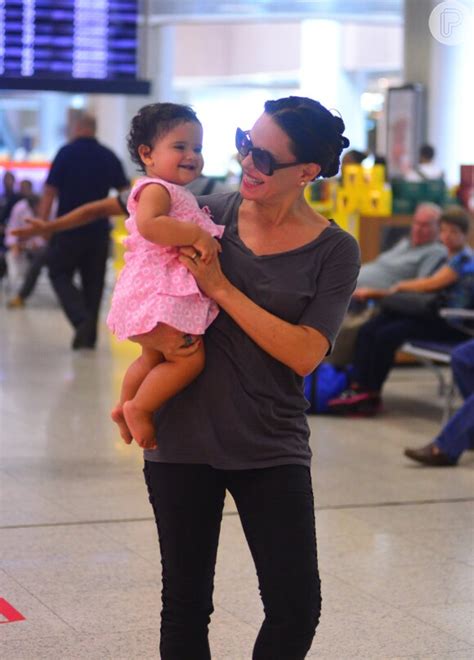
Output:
(380, 338)
(418, 255)
(458, 434)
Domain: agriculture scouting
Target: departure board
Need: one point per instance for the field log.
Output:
(70, 45)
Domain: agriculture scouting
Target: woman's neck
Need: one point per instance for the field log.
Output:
(278, 212)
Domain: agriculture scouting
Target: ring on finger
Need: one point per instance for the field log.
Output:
(188, 340)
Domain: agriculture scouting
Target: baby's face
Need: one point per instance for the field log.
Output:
(177, 155)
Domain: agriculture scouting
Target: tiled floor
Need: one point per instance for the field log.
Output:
(79, 558)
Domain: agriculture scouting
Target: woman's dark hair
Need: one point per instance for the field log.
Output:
(457, 216)
(316, 134)
(152, 122)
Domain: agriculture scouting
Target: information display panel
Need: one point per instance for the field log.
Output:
(71, 45)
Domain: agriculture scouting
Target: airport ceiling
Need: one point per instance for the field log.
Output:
(172, 11)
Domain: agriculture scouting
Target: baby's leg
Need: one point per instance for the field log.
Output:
(162, 382)
(134, 376)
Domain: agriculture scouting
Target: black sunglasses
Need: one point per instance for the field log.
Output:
(262, 159)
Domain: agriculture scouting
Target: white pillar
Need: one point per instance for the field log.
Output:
(446, 71)
(451, 103)
(323, 78)
(110, 111)
(52, 120)
(114, 112)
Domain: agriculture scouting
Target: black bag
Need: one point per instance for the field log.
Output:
(413, 303)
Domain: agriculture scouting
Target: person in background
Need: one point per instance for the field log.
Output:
(458, 434)
(380, 338)
(34, 249)
(9, 195)
(353, 157)
(8, 199)
(283, 282)
(26, 188)
(427, 169)
(82, 171)
(418, 255)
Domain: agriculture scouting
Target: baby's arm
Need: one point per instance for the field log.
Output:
(154, 224)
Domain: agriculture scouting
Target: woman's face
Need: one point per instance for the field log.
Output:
(266, 134)
(452, 237)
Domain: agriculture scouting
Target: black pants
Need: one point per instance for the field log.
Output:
(276, 509)
(37, 260)
(87, 255)
(380, 338)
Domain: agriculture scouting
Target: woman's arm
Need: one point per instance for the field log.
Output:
(156, 226)
(299, 347)
(443, 278)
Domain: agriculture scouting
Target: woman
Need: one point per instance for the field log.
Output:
(381, 337)
(283, 282)
(30, 251)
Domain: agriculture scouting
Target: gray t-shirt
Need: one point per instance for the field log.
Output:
(402, 262)
(246, 409)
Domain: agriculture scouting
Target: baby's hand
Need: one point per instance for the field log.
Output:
(207, 246)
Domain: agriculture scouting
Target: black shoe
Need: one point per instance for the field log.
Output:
(430, 455)
(85, 336)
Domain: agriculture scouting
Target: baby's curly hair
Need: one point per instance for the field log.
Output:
(152, 122)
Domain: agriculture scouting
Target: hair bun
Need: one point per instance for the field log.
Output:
(340, 128)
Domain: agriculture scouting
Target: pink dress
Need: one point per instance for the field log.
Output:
(153, 286)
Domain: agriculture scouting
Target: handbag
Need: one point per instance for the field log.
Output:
(413, 303)
(323, 384)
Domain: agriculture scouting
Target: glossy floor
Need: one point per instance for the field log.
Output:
(79, 558)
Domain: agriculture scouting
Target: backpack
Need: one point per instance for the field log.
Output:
(325, 383)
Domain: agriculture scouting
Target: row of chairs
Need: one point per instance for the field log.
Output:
(437, 354)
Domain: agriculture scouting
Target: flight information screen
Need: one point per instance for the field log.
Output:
(81, 45)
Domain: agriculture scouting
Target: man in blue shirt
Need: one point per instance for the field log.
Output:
(82, 171)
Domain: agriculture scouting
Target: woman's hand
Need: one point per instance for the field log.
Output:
(209, 276)
(207, 246)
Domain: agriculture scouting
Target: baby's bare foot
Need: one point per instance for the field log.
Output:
(140, 424)
(119, 419)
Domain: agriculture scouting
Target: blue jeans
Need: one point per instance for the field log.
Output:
(276, 509)
(458, 434)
